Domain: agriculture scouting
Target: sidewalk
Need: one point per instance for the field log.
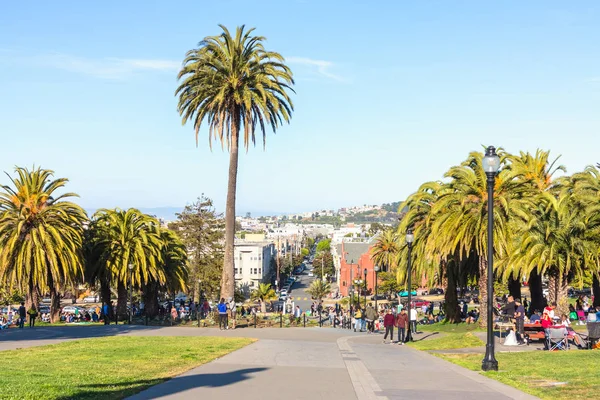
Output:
(342, 366)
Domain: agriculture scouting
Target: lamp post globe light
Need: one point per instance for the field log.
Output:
(376, 269)
(409, 241)
(491, 165)
(365, 274)
(130, 266)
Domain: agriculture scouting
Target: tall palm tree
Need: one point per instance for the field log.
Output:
(127, 237)
(264, 292)
(234, 85)
(41, 235)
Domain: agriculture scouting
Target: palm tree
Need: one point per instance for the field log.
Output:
(538, 173)
(319, 289)
(461, 214)
(235, 86)
(264, 293)
(126, 237)
(41, 236)
(386, 249)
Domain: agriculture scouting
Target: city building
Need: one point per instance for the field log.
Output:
(354, 257)
(252, 261)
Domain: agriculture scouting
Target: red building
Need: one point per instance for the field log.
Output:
(355, 258)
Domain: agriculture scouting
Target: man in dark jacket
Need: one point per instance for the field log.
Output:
(22, 315)
(401, 323)
(388, 323)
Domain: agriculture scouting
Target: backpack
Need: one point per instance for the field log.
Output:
(222, 307)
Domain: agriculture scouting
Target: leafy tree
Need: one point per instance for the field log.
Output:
(319, 289)
(202, 230)
(264, 293)
(323, 264)
(324, 245)
(41, 236)
(388, 283)
(236, 86)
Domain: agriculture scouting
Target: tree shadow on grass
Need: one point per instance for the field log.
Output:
(426, 336)
(150, 388)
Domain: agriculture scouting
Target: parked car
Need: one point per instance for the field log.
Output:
(311, 274)
(90, 299)
(436, 291)
(379, 297)
(420, 303)
(404, 293)
(46, 300)
(44, 309)
(71, 309)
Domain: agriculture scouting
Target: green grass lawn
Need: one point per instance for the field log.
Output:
(448, 328)
(536, 372)
(448, 341)
(105, 368)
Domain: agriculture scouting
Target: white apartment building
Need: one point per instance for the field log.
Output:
(252, 261)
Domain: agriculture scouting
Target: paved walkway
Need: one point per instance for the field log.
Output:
(298, 363)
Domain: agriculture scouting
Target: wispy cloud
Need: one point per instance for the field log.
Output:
(321, 67)
(103, 68)
(106, 68)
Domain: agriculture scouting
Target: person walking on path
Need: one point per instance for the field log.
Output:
(402, 324)
(388, 323)
(222, 308)
(106, 314)
(22, 315)
(32, 316)
(371, 316)
(357, 319)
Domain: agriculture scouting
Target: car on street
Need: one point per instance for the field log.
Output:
(311, 274)
(436, 291)
(71, 309)
(404, 293)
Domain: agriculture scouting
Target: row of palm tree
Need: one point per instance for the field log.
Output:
(544, 226)
(48, 243)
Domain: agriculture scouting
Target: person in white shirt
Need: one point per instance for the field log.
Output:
(413, 319)
(565, 321)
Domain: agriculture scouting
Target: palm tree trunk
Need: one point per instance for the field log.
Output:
(151, 300)
(483, 294)
(33, 296)
(562, 298)
(54, 301)
(596, 290)
(450, 295)
(228, 279)
(514, 287)
(121, 300)
(552, 287)
(263, 307)
(536, 291)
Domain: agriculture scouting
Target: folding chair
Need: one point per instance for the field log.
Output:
(556, 339)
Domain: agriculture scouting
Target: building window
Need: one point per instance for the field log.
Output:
(259, 257)
(260, 270)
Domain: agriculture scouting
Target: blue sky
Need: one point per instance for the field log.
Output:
(389, 94)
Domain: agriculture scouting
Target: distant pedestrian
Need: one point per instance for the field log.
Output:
(388, 323)
(233, 312)
(106, 314)
(413, 320)
(22, 315)
(32, 316)
(222, 308)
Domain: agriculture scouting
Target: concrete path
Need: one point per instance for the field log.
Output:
(298, 363)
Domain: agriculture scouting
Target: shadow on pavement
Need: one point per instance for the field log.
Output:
(147, 389)
(69, 332)
(426, 336)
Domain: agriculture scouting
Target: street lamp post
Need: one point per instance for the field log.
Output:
(365, 274)
(351, 288)
(409, 241)
(376, 269)
(491, 164)
(130, 266)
